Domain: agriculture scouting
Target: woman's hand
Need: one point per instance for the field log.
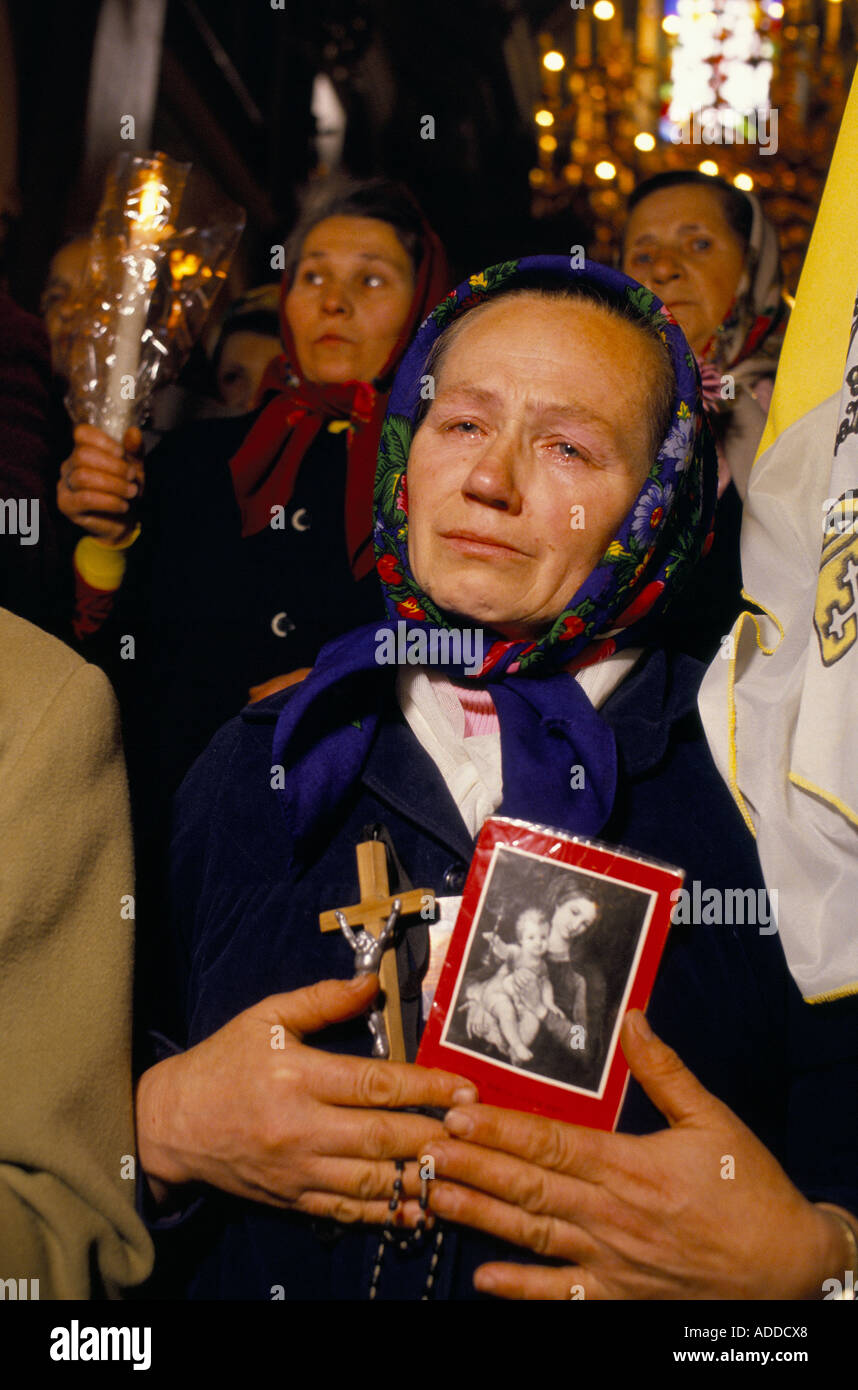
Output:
(99, 483)
(254, 1112)
(699, 1210)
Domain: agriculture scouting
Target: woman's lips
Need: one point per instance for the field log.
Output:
(470, 543)
(332, 338)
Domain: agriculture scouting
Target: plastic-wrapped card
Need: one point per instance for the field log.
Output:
(556, 938)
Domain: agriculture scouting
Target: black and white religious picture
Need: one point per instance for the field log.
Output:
(548, 963)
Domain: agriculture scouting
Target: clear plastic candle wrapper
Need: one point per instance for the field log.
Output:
(160, 250)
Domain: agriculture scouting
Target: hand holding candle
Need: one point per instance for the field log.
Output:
(101, 483)
(160, 250)
(147, 290)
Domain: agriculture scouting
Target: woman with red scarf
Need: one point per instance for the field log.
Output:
(255, 544)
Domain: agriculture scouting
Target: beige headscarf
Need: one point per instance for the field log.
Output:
(746, 346)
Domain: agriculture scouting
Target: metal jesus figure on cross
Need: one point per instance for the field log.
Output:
(369, 927)
(369, 951)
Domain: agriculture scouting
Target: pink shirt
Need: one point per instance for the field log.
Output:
(479, 710)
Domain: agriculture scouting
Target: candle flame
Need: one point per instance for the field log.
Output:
(151, 204)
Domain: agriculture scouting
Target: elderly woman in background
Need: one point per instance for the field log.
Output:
(711, 255)
(556, 393)
(255, 547)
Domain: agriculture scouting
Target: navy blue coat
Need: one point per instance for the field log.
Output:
(247, 928)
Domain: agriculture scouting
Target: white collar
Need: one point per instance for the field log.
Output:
(471, 767)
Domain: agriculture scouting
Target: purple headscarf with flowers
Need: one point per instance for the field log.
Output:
(325, 729)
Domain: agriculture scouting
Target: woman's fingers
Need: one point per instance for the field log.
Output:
(133, 440)
(362, 1180)
(532, 1282)
(527, 1185)
(87, 500)
(544, 1234)
(99, 526)
(353, 1081)
(99, 481)
(374, 1134)
(91, 435)
(344, 1209)
(309, 1010)
(88, 474)
(552, 1144)
(111, 465)
(664, 1076)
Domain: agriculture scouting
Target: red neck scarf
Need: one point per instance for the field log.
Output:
(266, 466)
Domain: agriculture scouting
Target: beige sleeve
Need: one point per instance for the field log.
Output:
(67, 1214)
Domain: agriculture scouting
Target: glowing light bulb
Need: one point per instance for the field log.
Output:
(605, 169)
(544, 118)
(670, 24)
(644, 141)
(554, 61)
(548, 143)
(744, 181)
(708, 166)
(603, 9)
(776, 10)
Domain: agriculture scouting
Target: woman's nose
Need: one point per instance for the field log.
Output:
(335, 299)
(494, 479)
(666, 266)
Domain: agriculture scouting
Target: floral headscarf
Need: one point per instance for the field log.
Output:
(661, 537)
(547, 723)
(746, 346)
(755, 323)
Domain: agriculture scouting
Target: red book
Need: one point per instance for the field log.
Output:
(557, 937)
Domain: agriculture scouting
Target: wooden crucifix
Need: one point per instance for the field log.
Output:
(372, 913)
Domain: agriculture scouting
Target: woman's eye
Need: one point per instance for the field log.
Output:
(374, 281)
(642, 258)
(701, 243)
(565, 450)
(468, 428)
(311, 277)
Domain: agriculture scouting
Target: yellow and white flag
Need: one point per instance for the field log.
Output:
(780, 704)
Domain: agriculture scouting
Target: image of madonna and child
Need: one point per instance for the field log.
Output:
(537, 1006)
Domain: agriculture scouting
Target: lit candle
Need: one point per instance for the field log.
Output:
(133, 308)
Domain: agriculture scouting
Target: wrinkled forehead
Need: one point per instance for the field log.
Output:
(673, 210)
(492, 325)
